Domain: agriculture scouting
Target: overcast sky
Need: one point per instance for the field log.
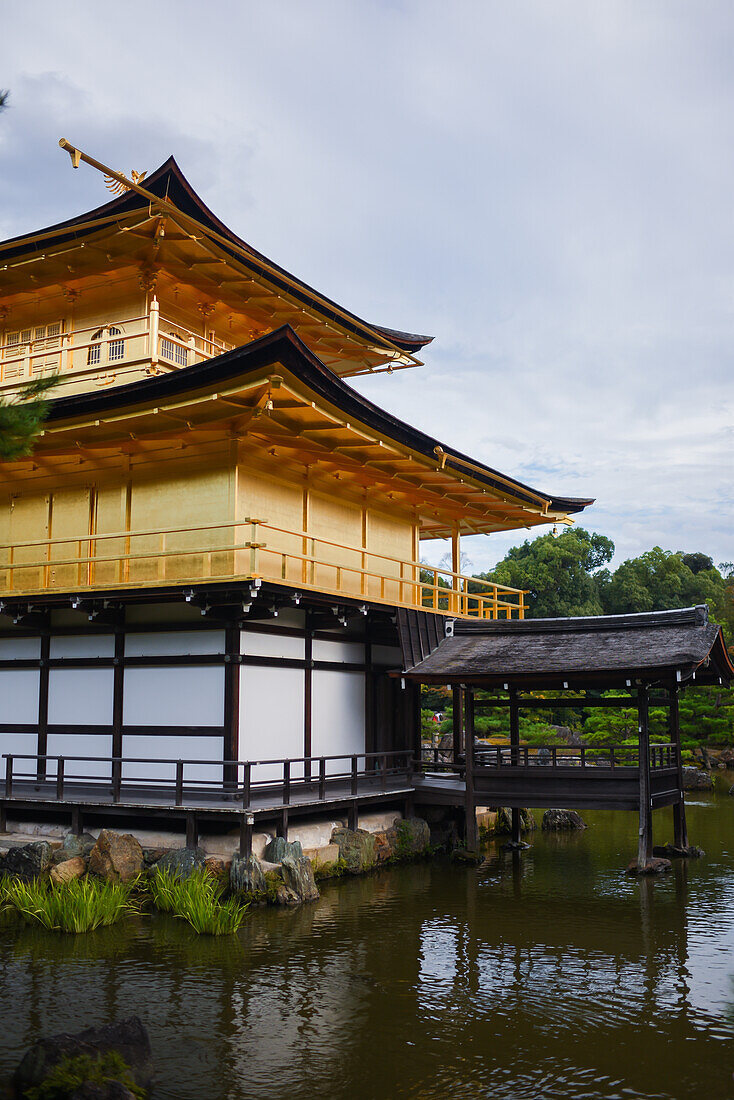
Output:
(547, 187)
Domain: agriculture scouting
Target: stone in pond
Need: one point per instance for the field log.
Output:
(671, 851)
(356, 848)
(67, 871)
(561, 820)
(116, 857)
(246, 876)
(654, 866)
(297, 875)
(278, 848)
(128, 1038)
(696, 779)
(29, 861)
(182, 862)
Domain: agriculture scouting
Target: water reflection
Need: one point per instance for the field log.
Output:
(546, 974)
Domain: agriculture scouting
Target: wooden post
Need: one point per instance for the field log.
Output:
(308, 696)
(514, 729)
(246, 823)
(43, 683)
(680, 829)
(457, 702)
(455, 567)
(472, 836)
(118, 687)
(192, 831)
(644, 850)
(231, 705)
(515, 825)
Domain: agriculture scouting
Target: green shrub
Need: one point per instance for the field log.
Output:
(71, 1072)
(77, 906)
(197, 899)
(335, 869)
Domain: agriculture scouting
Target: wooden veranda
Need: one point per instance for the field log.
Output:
(644, 659)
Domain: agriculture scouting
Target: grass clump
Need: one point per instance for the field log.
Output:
(198, 900)
(78, 906)
(81, 1069)
(335, 869)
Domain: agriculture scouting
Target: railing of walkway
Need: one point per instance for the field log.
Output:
(549, 756)
(241, 784)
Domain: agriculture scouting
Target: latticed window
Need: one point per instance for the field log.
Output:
(173, 349)
(115, 348)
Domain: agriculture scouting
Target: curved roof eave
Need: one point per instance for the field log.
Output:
(169, 182)
(284, 346)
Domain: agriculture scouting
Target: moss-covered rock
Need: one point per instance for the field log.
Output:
(356, 848)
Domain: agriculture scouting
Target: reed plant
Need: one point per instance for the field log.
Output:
(77, 906)
(197, 900)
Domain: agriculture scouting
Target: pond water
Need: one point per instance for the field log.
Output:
(548, 975)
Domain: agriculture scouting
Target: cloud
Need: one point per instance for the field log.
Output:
(546, 188)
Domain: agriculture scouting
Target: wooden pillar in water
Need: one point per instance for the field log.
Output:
(472, 835)
(457, 703)
(644, 850)
(515, 756)
(680, 829)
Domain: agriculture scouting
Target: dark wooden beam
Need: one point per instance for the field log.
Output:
(680, 828)
(644, 849)
(231, 703)
(118, 694)
(472, 834)
(43, 683)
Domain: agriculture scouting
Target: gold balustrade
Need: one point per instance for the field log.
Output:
(245, 550)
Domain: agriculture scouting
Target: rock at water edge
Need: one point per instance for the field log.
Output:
(116, 857)
(562, 819)
(654, 866)
(356, 848)
(278, 848)
(128, 1038)
(67, 871)
(182, 862)
(29, 861)
(695, 779)
(246, 876)
(297, 875)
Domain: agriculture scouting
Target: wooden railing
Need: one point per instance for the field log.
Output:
(241, 784)
(104, 347)
(662, 757)
(249, 549)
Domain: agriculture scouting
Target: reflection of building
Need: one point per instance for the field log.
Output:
(203, 557)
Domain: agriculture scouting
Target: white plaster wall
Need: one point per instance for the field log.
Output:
(19, 695)
(83, 645)
(23, 743)
(178, 642)
(271, 645)
(80, 696)
(174, 696)
(345, 652)
(271, 718)
(173, 749)
(16, 649)
(80, 744)
(337, 715)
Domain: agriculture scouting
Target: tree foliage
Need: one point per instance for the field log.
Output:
(22, 419)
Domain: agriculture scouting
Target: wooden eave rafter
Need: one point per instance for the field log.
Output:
(309, 435)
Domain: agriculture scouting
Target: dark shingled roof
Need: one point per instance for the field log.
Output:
(606, 650)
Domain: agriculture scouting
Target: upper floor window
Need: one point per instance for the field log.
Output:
(173, 348)
(115, 348)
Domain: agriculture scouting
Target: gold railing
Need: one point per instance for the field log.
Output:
(248, 549)
(103, 348)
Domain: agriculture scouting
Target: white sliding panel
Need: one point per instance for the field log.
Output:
(174, 696)
(272, 645)
(338, 715)
(271, 718)
(167, 748)
(17, 649)
(344, 652)
(81, 745)
(80, 696)
(24, 743)
(19, 695)
(83, 645)
(174, 642)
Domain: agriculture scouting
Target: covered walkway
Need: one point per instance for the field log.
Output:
(645, 659)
